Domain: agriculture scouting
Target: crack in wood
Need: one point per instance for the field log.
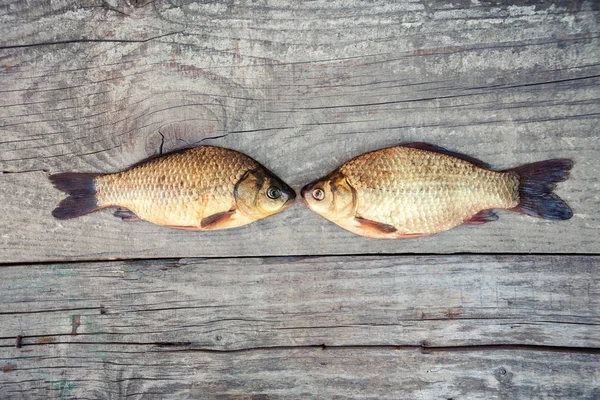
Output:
(510, 313)
(24, 172)
(75, 41)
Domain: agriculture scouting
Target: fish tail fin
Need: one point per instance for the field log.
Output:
(536, 183)
(82, 194)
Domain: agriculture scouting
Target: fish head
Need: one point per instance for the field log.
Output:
(333, 197)
(259, 193)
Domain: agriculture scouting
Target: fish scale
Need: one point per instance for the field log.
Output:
(419, 189)
(203, 188)
(177, 190)
(425, 192)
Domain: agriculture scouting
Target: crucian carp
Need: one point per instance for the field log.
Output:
(419, 189)
(202, 188)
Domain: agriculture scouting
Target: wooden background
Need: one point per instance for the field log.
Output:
(293, 306)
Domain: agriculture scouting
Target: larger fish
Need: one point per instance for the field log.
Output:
(203, 188)
(420, 189)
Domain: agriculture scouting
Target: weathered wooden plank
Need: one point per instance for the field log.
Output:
(96, 371)
(301, 86)
(237, 304)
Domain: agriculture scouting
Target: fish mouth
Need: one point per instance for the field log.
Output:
(290, 201)
(304, 192)
(291, 193)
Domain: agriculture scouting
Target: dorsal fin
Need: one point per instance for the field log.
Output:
(158, 156)
(438, 149)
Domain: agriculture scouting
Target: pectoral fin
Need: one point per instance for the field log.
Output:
(185, 228)
(222, 220)
(375, 227)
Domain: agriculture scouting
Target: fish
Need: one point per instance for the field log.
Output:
(202, 188)
(420, 189)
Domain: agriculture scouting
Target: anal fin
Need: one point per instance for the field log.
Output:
(482, 217)
(126, 215)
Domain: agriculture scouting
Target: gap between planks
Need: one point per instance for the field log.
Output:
(293, 257)
(424, 347)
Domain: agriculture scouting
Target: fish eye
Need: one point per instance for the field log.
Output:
(318, 194)
(273, 193)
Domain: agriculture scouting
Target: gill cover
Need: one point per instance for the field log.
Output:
(332, 197)
(254, 194)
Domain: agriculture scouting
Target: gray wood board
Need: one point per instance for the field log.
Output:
(412, 327)
(302, 87)
(143, 372)
(237, 304)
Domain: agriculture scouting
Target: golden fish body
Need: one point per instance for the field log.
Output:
(201, 188)
(413, 190)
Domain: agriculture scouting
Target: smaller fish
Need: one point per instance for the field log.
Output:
(419, 189)
(203, 188)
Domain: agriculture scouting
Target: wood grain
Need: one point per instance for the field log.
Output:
(99, 85)
(302, 87)
(237, 304)
(476, 327)
(137, 371)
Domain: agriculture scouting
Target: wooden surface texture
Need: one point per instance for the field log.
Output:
(315, 327)
(301, 87)
(293, 306)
